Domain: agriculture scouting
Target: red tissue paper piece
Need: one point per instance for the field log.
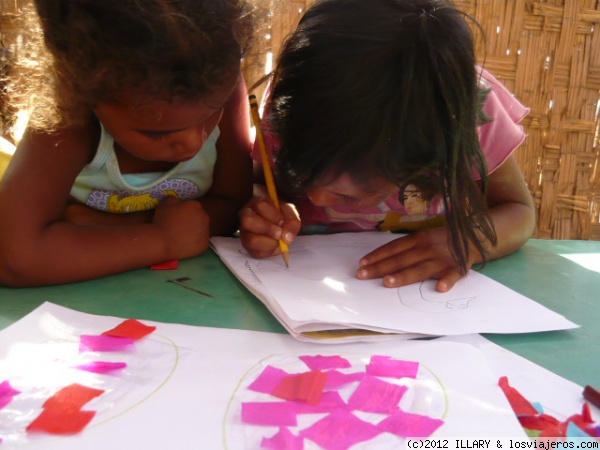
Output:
(340, 430)
(548, 425)
(167, 265)
(519, 404)
(385, 366)
(320, 362)
(62, 412)
(7, 392)
(103, 343)
(130, 328)
(307, 387)
(283, 440)
(539, 422)
(61, 422)
(74, 396)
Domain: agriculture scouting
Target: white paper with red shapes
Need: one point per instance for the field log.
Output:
(190, 387)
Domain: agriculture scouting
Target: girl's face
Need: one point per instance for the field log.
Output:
(157, 130)
(413, 201)
(344, 191)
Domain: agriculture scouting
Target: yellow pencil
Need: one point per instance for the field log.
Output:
(264, 156)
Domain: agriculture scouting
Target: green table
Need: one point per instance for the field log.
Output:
(203, 292)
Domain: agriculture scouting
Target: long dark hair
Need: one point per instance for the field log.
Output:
(386, 89)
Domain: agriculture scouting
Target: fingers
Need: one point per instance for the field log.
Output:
(447, 280)
(386, 251)
(262, 218)
(411, 259)
(262, 225)
(291, 222)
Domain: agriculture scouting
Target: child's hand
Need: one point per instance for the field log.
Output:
(185, 225)
(416, 257)
(262, 225)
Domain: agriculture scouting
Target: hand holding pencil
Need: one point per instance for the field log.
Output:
(267, 170)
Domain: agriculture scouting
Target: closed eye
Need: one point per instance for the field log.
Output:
(156, 136)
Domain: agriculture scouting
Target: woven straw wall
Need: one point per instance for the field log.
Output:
(548, 54)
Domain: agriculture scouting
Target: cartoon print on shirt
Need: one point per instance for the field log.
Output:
(125, 201)
(421, 207)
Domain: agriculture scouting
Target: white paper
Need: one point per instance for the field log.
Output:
(319, 291)
(184, 384)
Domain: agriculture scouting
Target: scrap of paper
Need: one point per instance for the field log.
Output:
(167, 265)
(130, 328)
(62, 412)
(269, 413)
(320, 362)
(103, 343)
(539, 424)
(376, 396)
(102, 367)
(268, 380)
(7, 392)
(405, 424)
(317, 391)
(385, 366)
(307, 387)
(283, 440)
(335, 378)
(340, 430)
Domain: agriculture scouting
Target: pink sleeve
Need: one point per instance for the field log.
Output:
(502, 134)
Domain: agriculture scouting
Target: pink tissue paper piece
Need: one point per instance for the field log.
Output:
(102, 367)
(320, 362)
(102, 343)
(269, 413)
(375, 395)
(283, 440)
(385, 366)
(268, 380)
(340, 430)
(406, 424)
(7, 392)
(335, 378)
(330, 401)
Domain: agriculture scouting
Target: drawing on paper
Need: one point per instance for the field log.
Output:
(424, 297)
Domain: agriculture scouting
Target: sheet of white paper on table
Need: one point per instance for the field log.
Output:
(319, 291)
(181, 387)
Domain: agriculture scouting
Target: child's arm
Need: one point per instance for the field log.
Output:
(38, 246)
(425, 254)
(232, 177)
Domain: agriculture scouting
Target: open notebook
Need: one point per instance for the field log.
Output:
(318, 298)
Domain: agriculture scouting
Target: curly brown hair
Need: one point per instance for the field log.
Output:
(95, 50)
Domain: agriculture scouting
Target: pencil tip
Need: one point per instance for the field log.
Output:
(286, 259)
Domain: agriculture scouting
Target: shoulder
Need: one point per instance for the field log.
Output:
(76, 144)
(503, 133)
